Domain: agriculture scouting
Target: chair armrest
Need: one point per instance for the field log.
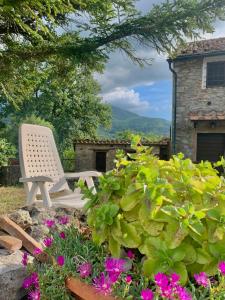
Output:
(36, 179)
(82, 174)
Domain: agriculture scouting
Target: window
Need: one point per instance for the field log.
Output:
(215, 74)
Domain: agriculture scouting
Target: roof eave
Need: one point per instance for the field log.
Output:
(196, 55)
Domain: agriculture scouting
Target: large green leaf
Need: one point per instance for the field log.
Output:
(203, 256)
(174, 234)
(181, 269)
(114, 247)
(130, 200)
(190, 254)
(153, 266)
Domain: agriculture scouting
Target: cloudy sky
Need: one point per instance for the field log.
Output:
(146, 91)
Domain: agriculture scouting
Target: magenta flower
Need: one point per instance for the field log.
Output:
(85, 270)
(37, 251)
(128, 279)
(49, 223)
(48, 241)
(183, 294)
(166, 286)
(130, 254)
(60, 260)
(202, 279)
(147, 294)
(115, 265)
(62, 235)
(222, 267)
(27, 282)
(32, 280)
(35, 280)
(34, 295)
(64, 220)
(103, 284)
(174, 278)
(25, 259)
(161, 280)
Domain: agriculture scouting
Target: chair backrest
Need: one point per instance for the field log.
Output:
(39, 156)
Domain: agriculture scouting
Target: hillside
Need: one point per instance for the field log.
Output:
(125, 120)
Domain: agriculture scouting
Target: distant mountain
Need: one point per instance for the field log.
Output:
(125, 120)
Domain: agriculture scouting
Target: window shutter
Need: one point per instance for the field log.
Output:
(215, 74)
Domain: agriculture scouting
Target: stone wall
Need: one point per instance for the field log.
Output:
(192, 97)
(86, 154)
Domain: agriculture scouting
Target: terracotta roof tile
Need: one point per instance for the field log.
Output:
(203, 47)
(118, 142)
(207, 116)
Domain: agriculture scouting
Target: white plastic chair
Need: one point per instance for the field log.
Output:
(42, 172)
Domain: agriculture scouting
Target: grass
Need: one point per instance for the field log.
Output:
(11, 198)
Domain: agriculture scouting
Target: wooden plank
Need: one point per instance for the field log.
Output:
(10, 243)
(15, 230)
(85, 291)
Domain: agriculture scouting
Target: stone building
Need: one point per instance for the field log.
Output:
(198, 128)
(100, 155)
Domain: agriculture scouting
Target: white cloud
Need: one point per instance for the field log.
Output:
(120, 71)
(126, 99)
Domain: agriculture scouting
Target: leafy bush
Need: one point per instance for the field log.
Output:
(7, 151)
(173, 212)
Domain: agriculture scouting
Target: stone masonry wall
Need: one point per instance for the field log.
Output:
(191, 97)
(86, 155)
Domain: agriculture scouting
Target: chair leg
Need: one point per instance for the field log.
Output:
(45, 195)
(31, 196)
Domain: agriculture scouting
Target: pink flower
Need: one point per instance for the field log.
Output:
(130, 254)
(115, 265)
(147, 294)
(128, 279)
(183, 294)
(174, 278)
(37, 251)
(85, 270)
(27, 282)
(35, 280)
(62, 235)
(32, 280)
(222, 267)
(25, 259)
(48, 241)
(64, 220)
(161, 280)
(103, 284)
(34, 295)
(49, 223)
(202, 279)
(165, 285)
(60, 260)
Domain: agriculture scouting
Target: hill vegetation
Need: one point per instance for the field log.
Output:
(123, 120)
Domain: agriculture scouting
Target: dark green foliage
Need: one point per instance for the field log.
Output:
(7, 151)
(61, 94)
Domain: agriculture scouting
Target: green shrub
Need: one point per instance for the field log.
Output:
(7, 151)
(173, 212)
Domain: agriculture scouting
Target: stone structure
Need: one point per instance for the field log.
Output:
(100, 155)
(199, 100)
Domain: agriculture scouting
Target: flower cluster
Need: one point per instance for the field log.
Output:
(31, 283)
(25, 259)
(169, 287)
